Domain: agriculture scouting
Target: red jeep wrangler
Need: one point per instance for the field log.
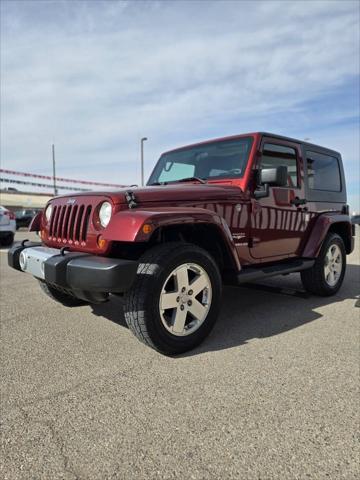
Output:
(231, 210)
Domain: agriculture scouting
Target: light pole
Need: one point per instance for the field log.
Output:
(142, 159)
(54, 172)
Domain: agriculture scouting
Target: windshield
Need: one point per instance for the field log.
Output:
(209, 161)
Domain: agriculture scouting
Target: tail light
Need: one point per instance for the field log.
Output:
(11, 215)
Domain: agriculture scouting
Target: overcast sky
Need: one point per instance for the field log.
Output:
(95, 76)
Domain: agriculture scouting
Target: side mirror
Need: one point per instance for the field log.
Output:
(270, 176)
(274, 176)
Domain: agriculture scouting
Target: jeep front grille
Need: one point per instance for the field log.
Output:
(69, 223)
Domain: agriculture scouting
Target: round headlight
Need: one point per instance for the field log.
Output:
(105, 214)
(48, 212)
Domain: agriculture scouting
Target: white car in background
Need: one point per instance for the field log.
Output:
(7, 226)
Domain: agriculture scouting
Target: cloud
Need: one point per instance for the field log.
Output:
(96, 76)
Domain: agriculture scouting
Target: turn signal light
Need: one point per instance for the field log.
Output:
(147, 228)
(101, 242)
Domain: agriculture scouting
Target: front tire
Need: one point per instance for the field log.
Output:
(327, 274)
(175, 299)
(61, 296)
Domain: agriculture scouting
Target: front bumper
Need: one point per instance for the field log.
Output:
(87, 276)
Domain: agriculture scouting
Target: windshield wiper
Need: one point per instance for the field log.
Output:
(189, 179)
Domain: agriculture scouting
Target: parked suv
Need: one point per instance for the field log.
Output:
(230, 210)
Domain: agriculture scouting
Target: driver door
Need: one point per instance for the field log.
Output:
(276, 222)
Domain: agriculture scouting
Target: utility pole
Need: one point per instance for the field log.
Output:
(142, 159)
(54, 171)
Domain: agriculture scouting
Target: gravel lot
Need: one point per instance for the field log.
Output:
(273, 393)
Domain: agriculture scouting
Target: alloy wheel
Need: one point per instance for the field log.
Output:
(185, 299)
(333, 265)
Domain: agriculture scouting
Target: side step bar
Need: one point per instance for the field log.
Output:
(251, 274)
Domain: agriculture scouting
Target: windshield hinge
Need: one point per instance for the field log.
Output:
(130, 198)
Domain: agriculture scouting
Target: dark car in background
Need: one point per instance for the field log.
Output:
(24, 217)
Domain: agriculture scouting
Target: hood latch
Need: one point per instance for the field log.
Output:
(130, 198)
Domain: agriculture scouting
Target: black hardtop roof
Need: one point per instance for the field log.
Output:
(266, 134)
(303, 142)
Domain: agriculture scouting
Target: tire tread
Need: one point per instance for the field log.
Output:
(313, 278)
(135, 298)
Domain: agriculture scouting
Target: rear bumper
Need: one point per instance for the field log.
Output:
(79, 272)
(6, 232)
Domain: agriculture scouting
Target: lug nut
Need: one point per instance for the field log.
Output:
(182, 307)
(190, 292)
(178, 299)
(183, 289)
(189, 303)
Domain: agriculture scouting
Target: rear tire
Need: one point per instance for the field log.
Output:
(327, 274)
(175, 299)
(60, 296)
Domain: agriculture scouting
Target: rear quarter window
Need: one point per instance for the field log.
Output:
(323, 172)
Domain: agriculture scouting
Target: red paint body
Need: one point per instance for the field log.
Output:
(253, 231)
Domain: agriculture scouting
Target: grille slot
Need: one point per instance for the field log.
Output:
(85, 223)
(60, 222)
(69, 223)
(65, 224)
(56, 221)
(72, 222)
(52, 221)
(78, 223)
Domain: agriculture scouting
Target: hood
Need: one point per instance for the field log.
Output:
(170, 193)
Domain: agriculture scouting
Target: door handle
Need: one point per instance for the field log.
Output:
(298, 201)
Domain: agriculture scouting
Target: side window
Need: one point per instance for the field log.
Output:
(323, 172)
(276, 155)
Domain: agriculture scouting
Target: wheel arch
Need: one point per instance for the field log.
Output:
(328, 223)
(208, 236)
(200, 226)
(342, 229)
